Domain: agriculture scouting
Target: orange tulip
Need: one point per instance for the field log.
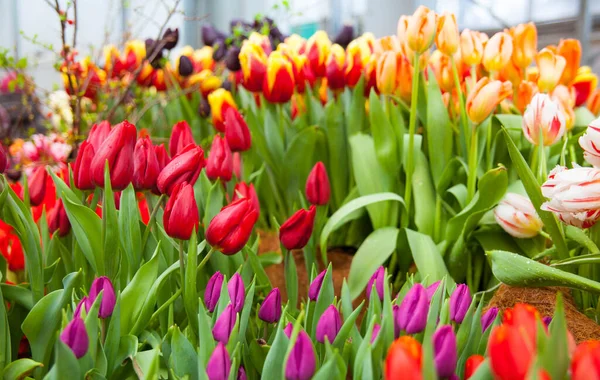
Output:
(402, 28)
(485, 97)
(317, 51)
(525, 92)
(524, 44)
(593, 103)
(512, 73)
(358, 54)
(497, 52)
(584, 84)
(219, 100)
(570, 49)
(404, 359)
(551, 67)
(334, 71)
(585, 363)
(254, 66)
(442, 69)
(471, 47)
(387, 43)
(394, 75)
(278, 86)
(421, 29)
(447, 38)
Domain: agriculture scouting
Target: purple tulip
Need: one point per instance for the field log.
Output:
(460, 301)
(301, 363)
(219, 363)
(412, 315)
(431, 289)
(213, 291)
(237, 292)
(80, 305)
(375, 334)
(270, 310)
(444, 346)
(108, 296)
(396, 313)
(547, 321)
(288, 330)
(75, 336)
(329, 324)
(224, 325)
(488, 318)
(241, 373)
(315, 286)
(379, 278)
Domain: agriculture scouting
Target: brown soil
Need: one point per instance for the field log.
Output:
(582, 327)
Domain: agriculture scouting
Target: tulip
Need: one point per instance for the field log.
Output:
(375, 334)
(237, 133)
(301, 363)
(230, 229)
(497, 52)
(431, 289)
(37, 185)
(220, 100)
(370, 74)
(170, 38)
(396, 314)
(357, 55)
(107, 305)
(270, 310)
(344, 36)
(590, 143)
(206, 80)
(317, 185)
(510, 352)
(185, 67)
(98, 133)
(329, 324)
(224, 325)
(161, 156)
(442, 69)
(485, 97)
(315, 286)
(394, 75)
(288, 329)
(471, 47)
(243, 190)
(524, 44)
(593, 102)
(210, 35)
(4, 164)
(526, 90)
(80, 306)
(219, 50)
(551, 67)
(473, 362)
(378, 278)
(236, 291)
(232, 60)
(546, 321)
(412, 315)
(404, 359)
(181, 136)
(444, 345)
(334, 70)
(584, 84)
(488, 318)
(204, 108)
(117, 149)
(460, 300)
(58, 220)
(185, 167)
(388, 43)
(254, 66)
(180, 217)
(585, 363)
(278, 85)
(544, 120)
(241, 375)
(421, 29)
(317, 50)
(517, 216)
(525, 318)
(219, 363)
(213, 291)
(570, 50)
(145, 165)
(76, 337)
(296, 231)
(262, 41)
(298, 65)
(220, 161)
(447, 38)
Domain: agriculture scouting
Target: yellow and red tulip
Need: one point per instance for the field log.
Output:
(203, 59)
(317, 52)
(358, 54)
(485, 97)
(254, 66)
(524, 44)
(447, 38)
(298, 65)
(206, 79)
(296, 42)
(370, 73)
(570, 50)
(497, 52)
(219, 100)
(278, 85)
(336, 63)
(584, 84)
(262, 41)
(421, 29)
(551, 67)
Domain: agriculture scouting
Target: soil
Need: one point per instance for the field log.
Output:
(544, 299)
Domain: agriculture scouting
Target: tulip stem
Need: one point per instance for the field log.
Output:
(472, 164)
(103, 331)
(167, 303)
(181, 263)
(95, 199)
(151, 221)
(206, 258)
(412, 126)
(542, 163)
(461, 101)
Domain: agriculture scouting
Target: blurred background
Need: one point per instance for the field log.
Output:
(29, 27)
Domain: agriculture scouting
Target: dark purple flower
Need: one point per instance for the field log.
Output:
(224, 325)
(102, 284)
(344, 36)
(75, 336)
(301, 363)
(329, 324)
(270, 310)
(315, 286)
(210, 35)
(219, 363)
(444, 346)
(232, 60)
(488, 318)
(412, 315)
(460, 301)
(237, 292)
(547, 321)
(213, 291)
(375, 334)
(431, 289)
(378, 278)
(186, 67)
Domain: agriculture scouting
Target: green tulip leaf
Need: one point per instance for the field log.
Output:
(20, 369)
(324, 300)
(338, 151)
(183, 359)
(555, 356)
(384, 136)
(146, 364)
(438, 130)
(65, 366)
(129, 224)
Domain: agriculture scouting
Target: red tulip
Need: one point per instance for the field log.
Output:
(585, 364)
(181, 212)
(37, 185)
(243, 190)
(230, 229)
(82, 176)
(58, 220)
(404, 359)
(317, 185)
(117, 150)
(471, 365)
(98, 133)
(3, 160)
(237, 133)
(296, 231)
(220, 161)
(181, 136)
(161, 156)
(237, 164)
(185, 167)
(145, 164)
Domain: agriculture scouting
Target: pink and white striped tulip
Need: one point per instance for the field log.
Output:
(590, 143)
(516, 215)
(544, 117)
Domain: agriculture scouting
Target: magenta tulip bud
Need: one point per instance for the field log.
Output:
(213, 291)
(301, 363)
(444, 346)
(288, 330)
(460, 300)
(241, 375)
(219, 363)
(547, 321)
(237, 292)
(431, 289)
(224, 325)
(76, 337)
(270, 310)
(488, 318)
(375, 334)
(80, 306)
(315, 286)
(107, 305)
(329, 324)
(379, 278)
(412, 315)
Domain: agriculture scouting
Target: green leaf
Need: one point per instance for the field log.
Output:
(356, 112)
(273, 138)
(582, 238)
(66, 365)
(438, 130)
(113, 338)
(183, 359)
(338, 151)
(426, 256)
(484, 371)
(347, 327)
(146, 364)
(206, 343)
(129, 224)
(86, 227)
(583, 117)
(384, 137)
(291, 279)
(555, 357)
(275, 360)
(190, 293)
(424, 193)
(5, 347)
(20, 369)
(298, 160)
(110, 228)
(214, 202)
(245, 315)
(324, 300)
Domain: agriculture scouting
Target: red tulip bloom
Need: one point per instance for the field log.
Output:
(471, 365)
(161, 156)
(220, 160)
(82, 176)
(230, 229)
(243, 190)
(117, 150)
(237, 133)
(318, 190)
(585, 363)
(10, 248)
(511, 352)
(143, 207)
(37, 186)
(145, 165)
(404, 359)
(98, 133)
(181, 212)
(181, 136)
(296, 231)
(237, 165)
(58, 219)
(185, 167)
(278, 85)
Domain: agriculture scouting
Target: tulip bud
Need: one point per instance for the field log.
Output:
(488, 318)
(278, 85)
(394, 75)
(181, 136)
(98, 133)
(585, 362)
(220, 162)
(334, 70)
(370, 74)
(145, 164)
(412, 315)
(237, 133)
(224, 325)
(329, 324)
(236, 291)
(213, 291)
(81, 173)
(471, 47)
(524, 44)
(375, 334)
(570, 50)
(301, 363)
(460, 301)
(107, 305)
(317, 185)
(270, 310)
(180, 217)
(590, 143)
(551, 67)
(444, 345)
(357, 55)
(117, 149)
(219, 363)
(442, 69)
(511, 352)
(544, 120)
(593, 102)
(80, 306)
(58, 220)
(4, 164)
(232, 60)
(254, 66)
(210, 35)
(584, 84)
(185, 167)
(243, 190)
(230, 229)
(296, 231)
(241, 375)
(447, 38)
(161, 156)
(220, 100)
(76, 337)
(344, 36)
(37, 185)
(497, 52)
(204, 108)
(431, 289)
(421, 29)
(517, 216)
(317, 51)
(526, 90)
(185, 67)
(404, 359)
(546, 321)
(379, 279)
(315, 286)
(473, 362)
(170, 38)
(485, 97)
